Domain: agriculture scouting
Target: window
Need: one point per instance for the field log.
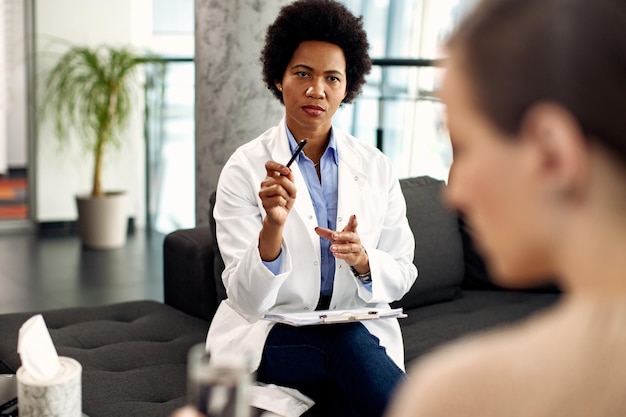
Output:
(172, 16)
(398, 110)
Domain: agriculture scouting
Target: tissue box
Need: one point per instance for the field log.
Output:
(59, 396)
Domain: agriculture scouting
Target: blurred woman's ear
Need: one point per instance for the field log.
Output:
(558, 147)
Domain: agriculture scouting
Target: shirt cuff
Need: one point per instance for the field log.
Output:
(274, 266)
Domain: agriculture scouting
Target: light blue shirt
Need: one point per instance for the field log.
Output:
(324, 197)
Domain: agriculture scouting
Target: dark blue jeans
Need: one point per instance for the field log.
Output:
(340, 366)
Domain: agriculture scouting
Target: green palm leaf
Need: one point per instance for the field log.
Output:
(89, 91)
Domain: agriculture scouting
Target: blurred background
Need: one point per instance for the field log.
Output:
(398, 111)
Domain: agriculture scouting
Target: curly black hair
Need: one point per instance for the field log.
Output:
(316, 20)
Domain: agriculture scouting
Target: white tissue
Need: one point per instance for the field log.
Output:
(37, 352)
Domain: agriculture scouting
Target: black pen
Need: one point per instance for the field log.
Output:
(296, 152)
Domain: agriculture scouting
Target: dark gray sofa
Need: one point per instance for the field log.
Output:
(134, 354)
(453, 294)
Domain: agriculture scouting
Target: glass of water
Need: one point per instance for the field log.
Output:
(218, 385)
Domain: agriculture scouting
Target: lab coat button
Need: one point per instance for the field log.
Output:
(339, 219)
(306, 308)
(315, 263)
(334, 307)
(310, 217)
(356, 178)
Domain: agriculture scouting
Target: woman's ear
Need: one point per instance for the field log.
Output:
(559, 148)
(279, 86)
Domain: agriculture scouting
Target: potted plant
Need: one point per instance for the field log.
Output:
(89, 92)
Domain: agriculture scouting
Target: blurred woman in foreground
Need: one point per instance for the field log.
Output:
(536, 100)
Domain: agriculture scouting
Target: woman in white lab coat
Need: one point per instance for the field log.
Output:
(328, 232)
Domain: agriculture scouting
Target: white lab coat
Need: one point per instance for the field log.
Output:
(367, 188)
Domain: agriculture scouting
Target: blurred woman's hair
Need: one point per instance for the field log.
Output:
(571, 52)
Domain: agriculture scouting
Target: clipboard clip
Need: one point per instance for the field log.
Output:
(348, 316)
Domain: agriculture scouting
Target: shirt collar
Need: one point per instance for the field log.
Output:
(332, 145)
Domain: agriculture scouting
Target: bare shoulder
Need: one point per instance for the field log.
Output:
(462, 378)
(445, 383)
(561, 359)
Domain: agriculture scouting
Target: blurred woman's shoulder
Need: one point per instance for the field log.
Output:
(533, 368)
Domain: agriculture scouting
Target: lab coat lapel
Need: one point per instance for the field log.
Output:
(280, 145)
(303, 208)
(352, 197)
(352, 180)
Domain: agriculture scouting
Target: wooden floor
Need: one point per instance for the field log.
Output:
(56, 272)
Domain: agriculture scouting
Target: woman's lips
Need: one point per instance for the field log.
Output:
(313, 110)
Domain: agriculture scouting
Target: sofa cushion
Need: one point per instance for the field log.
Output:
(438, 246)
(427, 328)
(133, 354)
(477, 275)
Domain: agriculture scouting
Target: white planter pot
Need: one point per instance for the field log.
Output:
(103, 221)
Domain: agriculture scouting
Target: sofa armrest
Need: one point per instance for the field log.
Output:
(188, 271)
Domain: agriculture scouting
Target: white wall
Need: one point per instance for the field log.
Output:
(3, 94)
(12, 86)
(17, 155)
(61, 174)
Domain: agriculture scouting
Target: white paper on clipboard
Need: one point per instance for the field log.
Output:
(313, 318)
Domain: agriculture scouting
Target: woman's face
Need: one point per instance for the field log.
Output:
(492, 183)
(313, 86)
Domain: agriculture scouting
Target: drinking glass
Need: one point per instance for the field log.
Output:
(218, 385)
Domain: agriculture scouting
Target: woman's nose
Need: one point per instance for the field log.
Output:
(315, 90)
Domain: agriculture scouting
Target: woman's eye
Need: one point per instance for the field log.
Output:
(302, 74)
(334, 79)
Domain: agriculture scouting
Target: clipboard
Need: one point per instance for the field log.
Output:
(318, 317)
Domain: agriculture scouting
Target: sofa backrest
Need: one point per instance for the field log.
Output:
(218, 263)
(444, 255)
(438, 245)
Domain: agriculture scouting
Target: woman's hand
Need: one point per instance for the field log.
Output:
(187, 411)
(346, 245)
(278, 195)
